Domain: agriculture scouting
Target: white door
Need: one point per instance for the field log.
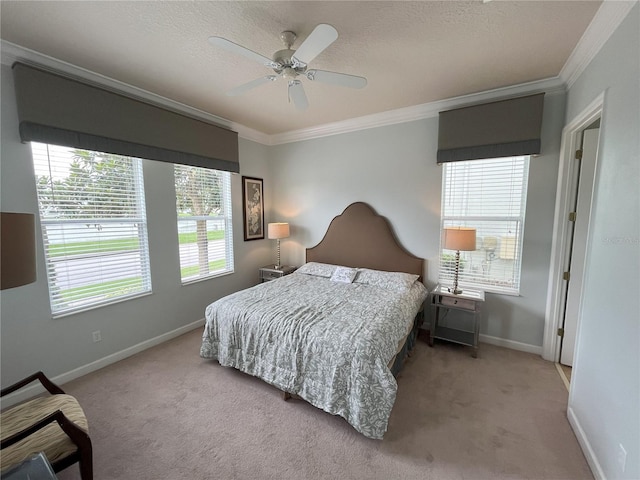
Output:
(576, 252)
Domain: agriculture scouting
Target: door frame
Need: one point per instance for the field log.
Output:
(571, 140)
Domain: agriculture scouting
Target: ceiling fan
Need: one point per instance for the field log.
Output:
(289, 64)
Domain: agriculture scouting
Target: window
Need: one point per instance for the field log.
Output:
(94, 226)
(489, 195)
(205, 234)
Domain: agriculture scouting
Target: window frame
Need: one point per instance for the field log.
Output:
(226, 218)
(52, 219)
(444, 273)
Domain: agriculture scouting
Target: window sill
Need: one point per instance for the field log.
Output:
(208, 277)
(87, 308)
(490, 290)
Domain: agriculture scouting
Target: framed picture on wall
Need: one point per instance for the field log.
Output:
(252, 208)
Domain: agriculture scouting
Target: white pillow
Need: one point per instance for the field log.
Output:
(394, 281)
(317, 269)
(344, 275)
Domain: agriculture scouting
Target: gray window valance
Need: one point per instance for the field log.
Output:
(504, 128)
(59, 110)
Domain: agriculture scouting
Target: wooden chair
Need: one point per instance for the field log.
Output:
(54, 424)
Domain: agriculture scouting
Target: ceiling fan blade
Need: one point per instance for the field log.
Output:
(297, 95)
(321, 37)
(252, 84)
(239, 49)
(334, 78)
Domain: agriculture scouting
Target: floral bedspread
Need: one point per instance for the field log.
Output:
(326, 341)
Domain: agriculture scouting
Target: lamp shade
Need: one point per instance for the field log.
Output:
(460, 238)
(17, 250)
(278, 230)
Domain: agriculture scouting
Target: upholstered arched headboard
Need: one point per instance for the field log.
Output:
(359, 237)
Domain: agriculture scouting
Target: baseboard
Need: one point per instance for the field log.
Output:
(36, 388)
(502, 342)
(563, 376)
(588, 452)
(512, 344)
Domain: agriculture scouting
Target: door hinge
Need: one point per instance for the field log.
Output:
(572, 216)
(565, 276)
(561, 332)
(578, 154)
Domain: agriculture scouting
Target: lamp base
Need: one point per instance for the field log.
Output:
(277, 266)
(455, 290)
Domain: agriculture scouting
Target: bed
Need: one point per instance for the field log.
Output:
(336, 331)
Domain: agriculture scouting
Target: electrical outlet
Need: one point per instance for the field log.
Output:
(96, 336)
(622, 457)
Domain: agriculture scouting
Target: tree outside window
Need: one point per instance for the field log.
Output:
(203, 203)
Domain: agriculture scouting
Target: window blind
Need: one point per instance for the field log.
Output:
(205, 232)
(94, 227)
(489, 195)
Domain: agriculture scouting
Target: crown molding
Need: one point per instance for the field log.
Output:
(606, 20)
(11, 53)
(550, 86)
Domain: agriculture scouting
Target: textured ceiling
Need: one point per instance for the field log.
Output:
(410, 52)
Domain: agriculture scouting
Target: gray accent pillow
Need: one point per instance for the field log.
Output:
(394, 281)
(318, 269)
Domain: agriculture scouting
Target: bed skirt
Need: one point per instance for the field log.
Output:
(410, 342)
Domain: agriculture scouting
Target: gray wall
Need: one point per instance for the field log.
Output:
(605, 384)
(31, 340)
(394, 169)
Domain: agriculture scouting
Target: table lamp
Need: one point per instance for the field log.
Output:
(459, 239)
(277, 231)
(17, 250)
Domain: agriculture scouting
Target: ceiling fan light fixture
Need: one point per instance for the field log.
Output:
(289, 73)
(289, 64)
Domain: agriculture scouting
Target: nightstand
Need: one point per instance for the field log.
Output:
(270, 272)
(468, 301)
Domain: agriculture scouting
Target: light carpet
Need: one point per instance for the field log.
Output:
(168, 414)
